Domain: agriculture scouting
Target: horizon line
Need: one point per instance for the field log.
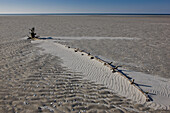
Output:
(84, 13)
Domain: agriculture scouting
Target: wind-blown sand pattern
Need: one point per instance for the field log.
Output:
(150, 54)
(96, 71)
(34, 82)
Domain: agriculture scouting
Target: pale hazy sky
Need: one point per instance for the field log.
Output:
(84, 6)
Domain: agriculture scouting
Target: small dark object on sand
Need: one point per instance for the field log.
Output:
(133, 81)
(147, 92)
(55, 101)
(39, 109)
(91, 57)
(110, 63)
(117, 67)
(76, 49)
(148, 100)
(82, 51)
(113, 71)
(33, 34)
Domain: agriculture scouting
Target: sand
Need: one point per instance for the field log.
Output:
(149, 55)
(94, 70)
(34, 81)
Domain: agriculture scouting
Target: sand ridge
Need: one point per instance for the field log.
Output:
(35, 82)
(150, 54)
(95, 71)
(24, 87)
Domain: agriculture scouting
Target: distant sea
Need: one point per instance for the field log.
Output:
(84, 14)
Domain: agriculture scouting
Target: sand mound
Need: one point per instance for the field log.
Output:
(27, 77)
(35, 82)
(96, 71)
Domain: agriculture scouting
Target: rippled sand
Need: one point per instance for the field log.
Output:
(150, 54)
(31, 82)
(35, 82)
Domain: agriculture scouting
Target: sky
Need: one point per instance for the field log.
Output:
(85, 6)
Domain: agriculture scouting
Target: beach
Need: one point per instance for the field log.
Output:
(47, 76)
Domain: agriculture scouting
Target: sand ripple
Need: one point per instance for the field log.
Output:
(31, 82)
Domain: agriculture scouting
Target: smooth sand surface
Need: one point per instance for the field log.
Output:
(34, 82)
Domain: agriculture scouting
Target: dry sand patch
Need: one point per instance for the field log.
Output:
(32, 82)
(96, 71)
(20, 61)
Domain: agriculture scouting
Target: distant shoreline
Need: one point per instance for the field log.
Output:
(72, 14)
